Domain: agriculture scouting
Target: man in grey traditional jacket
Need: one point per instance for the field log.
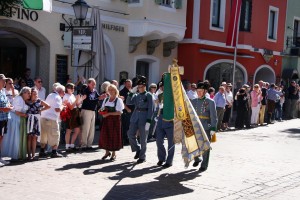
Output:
(206, 111)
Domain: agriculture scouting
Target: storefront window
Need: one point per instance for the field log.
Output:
(222, 72)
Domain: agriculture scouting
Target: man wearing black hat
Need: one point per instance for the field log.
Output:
(207, 113)
(140, 120)
(165, 128)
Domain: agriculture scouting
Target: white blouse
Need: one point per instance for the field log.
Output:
(19, 104)
(71, 98)
(119, 106)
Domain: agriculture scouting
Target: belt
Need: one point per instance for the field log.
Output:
(203, 117)
(142, 109)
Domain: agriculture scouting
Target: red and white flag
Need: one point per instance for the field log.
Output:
(233, 28)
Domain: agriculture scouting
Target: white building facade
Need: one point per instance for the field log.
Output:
(140, 37)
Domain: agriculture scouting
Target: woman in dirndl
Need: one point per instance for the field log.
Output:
(110, 134)
(72, 123)
(35, 106)
(15, 141)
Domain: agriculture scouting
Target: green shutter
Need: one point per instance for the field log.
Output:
(158, 2)
(178, 4)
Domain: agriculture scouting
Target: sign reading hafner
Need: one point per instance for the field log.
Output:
(45, 5)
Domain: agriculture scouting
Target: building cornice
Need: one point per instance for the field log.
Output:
(223, 45)
(144, 28)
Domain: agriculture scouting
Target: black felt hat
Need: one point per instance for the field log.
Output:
(202, 85)
(142, 80)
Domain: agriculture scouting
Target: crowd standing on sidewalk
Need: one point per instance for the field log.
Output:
(127, 115)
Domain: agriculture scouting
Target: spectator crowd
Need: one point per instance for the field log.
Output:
(126, 114)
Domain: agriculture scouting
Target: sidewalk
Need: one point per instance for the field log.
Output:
(259, 163)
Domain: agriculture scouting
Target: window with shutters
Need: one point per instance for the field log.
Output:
(246, 14)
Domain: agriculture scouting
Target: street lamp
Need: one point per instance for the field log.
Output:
(80, 8)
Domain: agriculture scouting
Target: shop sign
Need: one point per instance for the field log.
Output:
(82, 38)
(113, 27)
(23, 14)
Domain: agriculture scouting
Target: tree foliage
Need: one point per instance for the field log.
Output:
(5, 6)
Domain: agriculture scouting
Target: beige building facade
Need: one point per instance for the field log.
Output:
(140, 38)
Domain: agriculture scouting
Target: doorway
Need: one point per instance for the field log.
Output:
(142, 69)
(12, 55)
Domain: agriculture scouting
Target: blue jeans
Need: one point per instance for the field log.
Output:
(278, 111)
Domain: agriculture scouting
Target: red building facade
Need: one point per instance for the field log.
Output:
(205, 55)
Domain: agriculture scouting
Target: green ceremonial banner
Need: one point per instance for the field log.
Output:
(168, 113)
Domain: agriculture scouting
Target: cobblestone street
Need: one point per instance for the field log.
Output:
(259, 163)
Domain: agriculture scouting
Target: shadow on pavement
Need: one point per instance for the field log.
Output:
(82, 165)
(294, 132)
(167, 185)
(126, 170)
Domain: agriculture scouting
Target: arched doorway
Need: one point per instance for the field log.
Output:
(12, 55)
(264, 73)
(33, 48)
(222, 71)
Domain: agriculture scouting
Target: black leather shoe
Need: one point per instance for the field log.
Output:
(202, 169)
(160, 163)
(166, 165)
(137, 155)
(139, 161)
(42, 154)
(196, 163)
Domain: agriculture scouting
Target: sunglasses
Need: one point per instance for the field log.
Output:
(40, 81)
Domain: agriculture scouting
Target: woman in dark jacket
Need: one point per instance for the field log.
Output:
(242, 110)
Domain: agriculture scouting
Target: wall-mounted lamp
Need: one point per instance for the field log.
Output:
(80, 8)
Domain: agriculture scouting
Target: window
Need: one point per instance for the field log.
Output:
(273, 23)
(133, 1)
(296, 36)
(167, 2)
(170, 3)
(246, 14)
(217, 14)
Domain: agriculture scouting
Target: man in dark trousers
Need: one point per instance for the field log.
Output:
(127, 111)
(140, 120)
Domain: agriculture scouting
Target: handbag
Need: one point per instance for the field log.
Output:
(214, 138)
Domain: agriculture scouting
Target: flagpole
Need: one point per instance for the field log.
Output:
(234, 64)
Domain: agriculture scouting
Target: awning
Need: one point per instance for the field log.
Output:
(290, 74)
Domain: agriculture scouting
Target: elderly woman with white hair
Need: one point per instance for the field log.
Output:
(50, 121)
(15, 142)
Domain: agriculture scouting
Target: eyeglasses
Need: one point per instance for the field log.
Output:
(40, 81)
(23, 82)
